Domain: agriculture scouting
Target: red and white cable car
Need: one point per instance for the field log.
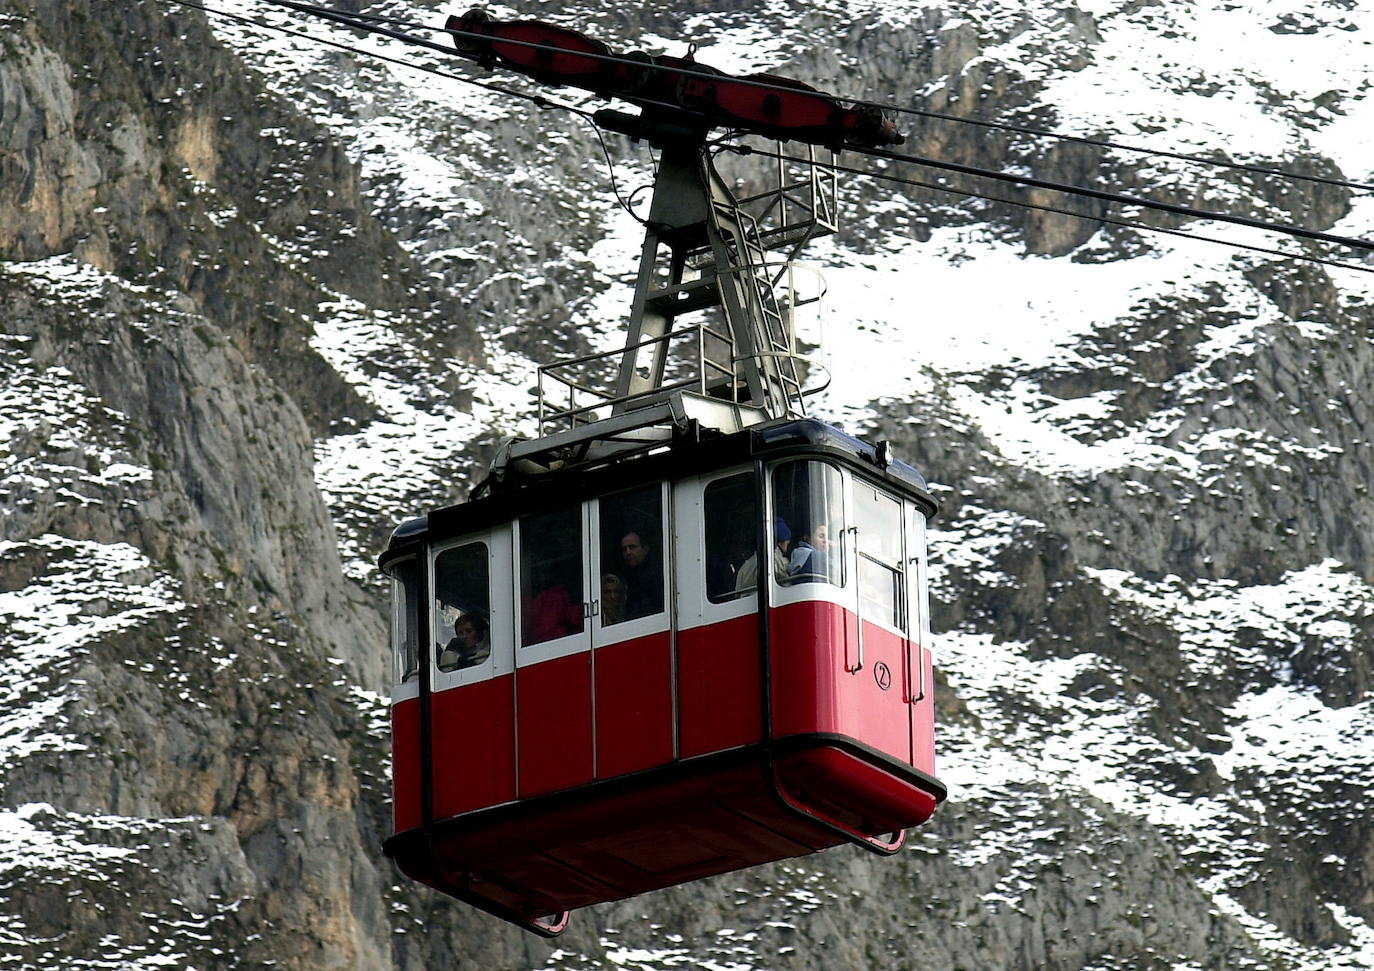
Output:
(612, 729)
(685, 629)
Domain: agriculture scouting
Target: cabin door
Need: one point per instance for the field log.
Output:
(594, 657)
(553, 661)
(631, 628)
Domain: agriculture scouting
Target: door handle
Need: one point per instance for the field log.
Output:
(858, 601)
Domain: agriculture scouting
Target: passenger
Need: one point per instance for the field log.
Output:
(471, 633)
(470, 644)
(448, 618)
(643, 575)
(723, 566)
(810, 559)
(748, 576)
(613, 592)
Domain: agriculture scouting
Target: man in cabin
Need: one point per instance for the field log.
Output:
(726, 553)
(643, 576)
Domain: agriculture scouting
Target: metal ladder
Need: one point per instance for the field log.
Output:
(761, 333)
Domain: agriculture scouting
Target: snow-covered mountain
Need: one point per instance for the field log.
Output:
(261, 298)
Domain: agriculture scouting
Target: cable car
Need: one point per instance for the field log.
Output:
(683, 630)
(600, 693)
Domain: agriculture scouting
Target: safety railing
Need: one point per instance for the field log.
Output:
(580, 390)
(799, 205)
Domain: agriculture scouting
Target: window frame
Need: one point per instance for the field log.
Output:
(568, 644)
(498, 662)
(918, 576)
(694, 608)
(405, 684)
(841, 594)
(602, 635)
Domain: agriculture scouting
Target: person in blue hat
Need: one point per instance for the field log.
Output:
(748, 576)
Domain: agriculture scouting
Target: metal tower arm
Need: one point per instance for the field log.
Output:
(764, 104)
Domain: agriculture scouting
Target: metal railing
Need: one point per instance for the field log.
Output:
(799, 205)
(580, 390)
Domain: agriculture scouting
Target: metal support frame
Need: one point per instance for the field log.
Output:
(677, 216)
(704, 249)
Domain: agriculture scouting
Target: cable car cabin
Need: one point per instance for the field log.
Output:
(618, 680)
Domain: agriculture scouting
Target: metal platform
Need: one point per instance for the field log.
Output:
(637, 430)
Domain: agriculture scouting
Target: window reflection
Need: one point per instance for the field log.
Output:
(916, 571)
(878, 517)
(405, 620)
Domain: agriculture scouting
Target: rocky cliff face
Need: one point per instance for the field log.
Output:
(259, 299)
(185, 725)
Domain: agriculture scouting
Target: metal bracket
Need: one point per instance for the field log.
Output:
(881, 847)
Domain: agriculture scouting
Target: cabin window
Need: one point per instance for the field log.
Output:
(551, 587)
(631, 555)
(405, 619)
(808, 523)
(878, 518)
(462, 606)
(730, 509)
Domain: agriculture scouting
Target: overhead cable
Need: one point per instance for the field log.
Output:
(1125, 223)
(535, 99)
(353, 19)
(372, 24)
(1079, 190)
(858, 102)
(1103, 143)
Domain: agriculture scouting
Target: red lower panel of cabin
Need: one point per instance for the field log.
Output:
(561, 723)
(667, 826)
(719, 686)
(854, 793)
(405, 764)
(634, 705)
(923, 717)
(473, 746)
(553, 703)
(824, 680)
(557, 788)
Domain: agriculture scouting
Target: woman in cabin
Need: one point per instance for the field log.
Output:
(810, 557)
(614, 597)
